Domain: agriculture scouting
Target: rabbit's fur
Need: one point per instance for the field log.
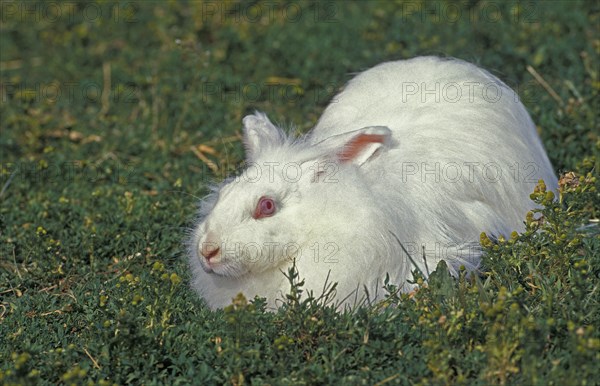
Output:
(399, 163)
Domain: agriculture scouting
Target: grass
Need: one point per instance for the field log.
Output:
(104, 108)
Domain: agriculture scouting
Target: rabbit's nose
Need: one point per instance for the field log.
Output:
(209, 250)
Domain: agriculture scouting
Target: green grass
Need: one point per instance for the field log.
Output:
(99, 114)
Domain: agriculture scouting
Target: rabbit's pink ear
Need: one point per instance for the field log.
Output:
(260, 134)
(363, 144)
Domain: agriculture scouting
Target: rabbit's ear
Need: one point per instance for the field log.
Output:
(260, 133)
(359, 146)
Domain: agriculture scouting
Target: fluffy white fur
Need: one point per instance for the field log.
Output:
(351, 219)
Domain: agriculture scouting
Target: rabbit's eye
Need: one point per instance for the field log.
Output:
(264, 208)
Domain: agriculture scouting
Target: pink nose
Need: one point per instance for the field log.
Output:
(209, 250)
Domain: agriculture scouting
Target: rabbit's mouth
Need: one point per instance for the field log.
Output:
(207, 269)
(210, 266)
(214, 268)
(222, 268)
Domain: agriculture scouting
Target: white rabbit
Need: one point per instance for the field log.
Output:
(408, 164)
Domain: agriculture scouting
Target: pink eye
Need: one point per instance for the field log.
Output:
(264, 208)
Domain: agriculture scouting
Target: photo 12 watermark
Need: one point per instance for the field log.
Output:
(253, 252)
(332, 253)
(271, 11)
(405, 172)
(69, 92)
(489, 12)
(69, 11)
(291, 91)
(48, 173)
